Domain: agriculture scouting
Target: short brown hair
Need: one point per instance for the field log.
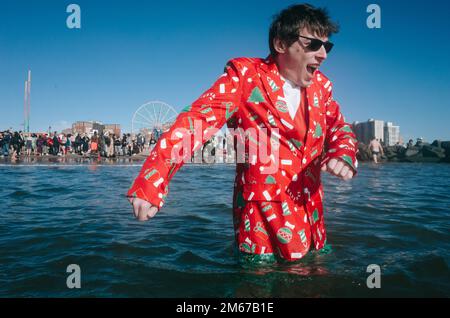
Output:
(287, 23)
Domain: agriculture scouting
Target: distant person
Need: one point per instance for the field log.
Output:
(63, 144)
(6, 142)
(39, 145)
(29, 145)
(129, 146)
(410, 144)
(34, 143)
(55, 144)
(140, 140)
(117, 145)
(45, 145)
(85, 144)
(376, 148)
(50, 145)
(94, 144)
(124, 145)
(77, 144)
(68, 144)
(152, 142)
(16, 143)
(21, 141)
(419, 142)
(109, 144)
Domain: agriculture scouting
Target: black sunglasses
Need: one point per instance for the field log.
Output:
(316, 44)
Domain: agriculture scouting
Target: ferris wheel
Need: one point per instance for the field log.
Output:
(152, 115)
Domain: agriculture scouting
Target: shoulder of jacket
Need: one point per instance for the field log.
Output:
(248, 63)
(322, 81)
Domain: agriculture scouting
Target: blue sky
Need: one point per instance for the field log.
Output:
(130, 52)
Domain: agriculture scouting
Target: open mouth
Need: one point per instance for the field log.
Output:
(311, 68)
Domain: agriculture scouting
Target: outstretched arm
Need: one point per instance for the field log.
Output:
(193, 127)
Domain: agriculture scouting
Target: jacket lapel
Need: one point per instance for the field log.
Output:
(273, 85)
(314, 122)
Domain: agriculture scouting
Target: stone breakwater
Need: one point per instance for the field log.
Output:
(437, 151)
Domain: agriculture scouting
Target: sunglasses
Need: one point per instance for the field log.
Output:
(316, 44)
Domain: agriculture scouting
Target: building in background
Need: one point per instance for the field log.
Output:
(385, 132)
(391, 134)
(114, 128)
(82, 127)
(89, 127)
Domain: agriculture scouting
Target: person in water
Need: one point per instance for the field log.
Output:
(376, 148)
(283, 101)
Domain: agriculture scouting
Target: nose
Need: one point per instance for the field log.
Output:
(321, 54)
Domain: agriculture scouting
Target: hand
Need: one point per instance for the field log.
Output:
(142, 209)
(339, 168)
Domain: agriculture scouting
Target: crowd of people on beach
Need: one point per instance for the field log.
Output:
(107, 144)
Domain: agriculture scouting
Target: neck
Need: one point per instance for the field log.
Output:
(287, 72)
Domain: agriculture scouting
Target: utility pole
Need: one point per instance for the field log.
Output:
(27, 104)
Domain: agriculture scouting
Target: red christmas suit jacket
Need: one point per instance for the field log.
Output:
(277, 203)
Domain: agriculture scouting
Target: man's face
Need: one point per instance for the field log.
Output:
(302, 60)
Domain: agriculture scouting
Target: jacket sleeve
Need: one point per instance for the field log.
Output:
(194, 126)
(340, 140)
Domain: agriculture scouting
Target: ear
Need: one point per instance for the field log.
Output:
(279, 46)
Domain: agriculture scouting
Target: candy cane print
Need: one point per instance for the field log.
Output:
(247, 224)
(271, 119)
(307, 192)
(302, 235)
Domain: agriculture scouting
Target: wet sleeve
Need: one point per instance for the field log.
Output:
(193, 127)
(340, 140)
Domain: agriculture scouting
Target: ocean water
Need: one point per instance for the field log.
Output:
(394, 215)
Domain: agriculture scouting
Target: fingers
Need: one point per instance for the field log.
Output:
(339, 168)
(143, 214)
(348, 176)
(146, 212)
(136, 207)
(332, 164)
(142, 209)
(344, 171)
(152, 212)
